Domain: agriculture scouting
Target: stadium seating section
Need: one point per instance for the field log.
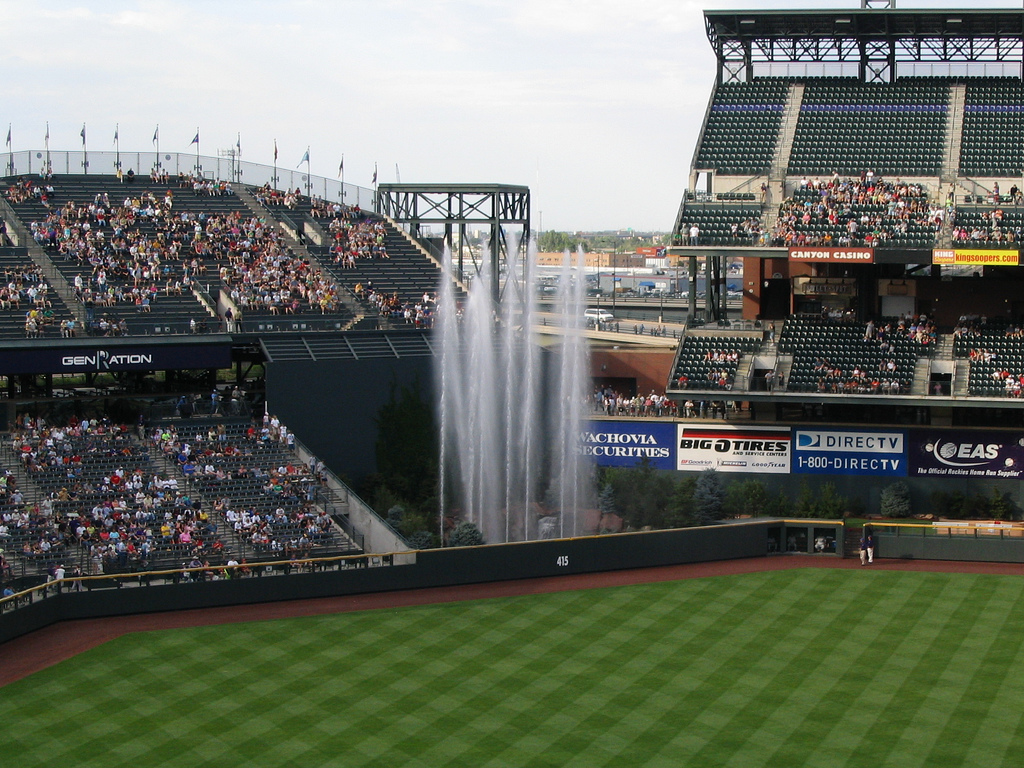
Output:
(102, 499)
(994, 351)
(894, 129)
(28, 304)
(989, 227)
(836, 357)
(709, 362)
(723, 224)
(858, 212)
(743, 127)
(993, 134)
(131, 253)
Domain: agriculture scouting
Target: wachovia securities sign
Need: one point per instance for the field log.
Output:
(733, 449)
(627, 444)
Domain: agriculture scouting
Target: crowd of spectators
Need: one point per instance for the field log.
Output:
(101, 494)
(416, 313)
(325, 209)
(917, 328)
(23, 287)
(857, 379)
(143, 247)
(351, 241)
(613, 403)
(991, 229)
(854, 212)
(270, 278)
(287, 198)
(101, 506)
(263, 493)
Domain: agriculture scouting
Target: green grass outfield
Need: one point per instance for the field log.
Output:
(814, 667)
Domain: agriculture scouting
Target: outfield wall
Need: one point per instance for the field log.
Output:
(431, 568)
(974, 543)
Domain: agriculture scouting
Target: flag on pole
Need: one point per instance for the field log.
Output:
(116, 129)
(238, 144)
(196, 139)
(83, 134)
(8, 135)
(156, 135)
(47, 136)
(374, 174)
(341, 168)
(305, 158)
(275, 150)
(398, 174)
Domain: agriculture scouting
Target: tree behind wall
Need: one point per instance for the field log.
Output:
(465, 535)
(895, 500)
(708, 497)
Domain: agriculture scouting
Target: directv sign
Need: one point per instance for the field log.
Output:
(849, 452)
(629, 443)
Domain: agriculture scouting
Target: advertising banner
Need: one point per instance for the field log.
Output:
(976, 257)
(628, 443)
(733, 449)
(966, 453)
(849, 452)
(140, 357)
(844, 255)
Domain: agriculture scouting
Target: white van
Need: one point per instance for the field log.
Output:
(598, 316)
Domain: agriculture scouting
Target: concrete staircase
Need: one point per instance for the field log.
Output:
(741, 383)
(961, 371)
(954, 133)
(783, 149)
(922, 374)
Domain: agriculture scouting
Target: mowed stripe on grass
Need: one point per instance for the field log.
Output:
(814, 667)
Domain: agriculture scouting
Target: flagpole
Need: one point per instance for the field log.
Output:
(199, 170)
(309, 179)
(10, 152)
(85, 153)
(342, 178)
(47, 142)
(156, 140)
(273, 179)
(117, 145)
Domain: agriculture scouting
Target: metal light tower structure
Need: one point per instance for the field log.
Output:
(496, 208)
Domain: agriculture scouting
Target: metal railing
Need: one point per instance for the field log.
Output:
(34, 161)
(272, 568)
(948, 529)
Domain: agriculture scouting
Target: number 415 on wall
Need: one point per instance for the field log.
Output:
(562, 561)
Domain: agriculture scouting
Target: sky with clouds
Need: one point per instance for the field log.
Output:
(594, 104)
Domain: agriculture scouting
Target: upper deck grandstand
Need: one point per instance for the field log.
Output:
(866, 167)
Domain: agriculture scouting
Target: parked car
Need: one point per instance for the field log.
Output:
(598, 316)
